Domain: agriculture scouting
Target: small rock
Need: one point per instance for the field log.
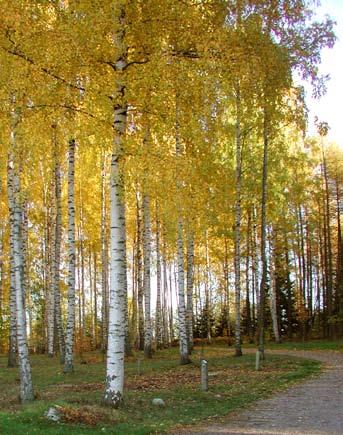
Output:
(158, 402)
(52, 414)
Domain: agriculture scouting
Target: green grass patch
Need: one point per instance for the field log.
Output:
(336, 345)
(233, 383)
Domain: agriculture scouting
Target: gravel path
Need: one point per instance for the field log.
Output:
(313, 407)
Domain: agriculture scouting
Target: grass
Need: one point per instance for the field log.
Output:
(336, 345)
(233, 383)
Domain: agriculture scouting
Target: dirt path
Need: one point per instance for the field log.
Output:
(313, 407)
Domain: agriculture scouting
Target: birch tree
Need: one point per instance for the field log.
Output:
(26, 386)
(68, 366)
(118, 281)
(146, 278)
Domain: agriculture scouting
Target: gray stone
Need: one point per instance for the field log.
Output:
(53, 414)
(158, 402)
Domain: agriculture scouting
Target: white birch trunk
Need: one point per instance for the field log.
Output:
(82, 283)
(50, 302)
(12, 351)
(184, 349)
(183, 339)
(272, 298)
(171, 310)
(104, 262)
(190, 277)
(26, 387)
(263, 285)
(140, 289)
(57, 253)
(147, 280)
(159, 323)
(166, 326)
(237, 261)
(118, 280)
(95, 312)
(118, 287)
(68, 364)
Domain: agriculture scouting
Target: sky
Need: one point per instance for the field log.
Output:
(329, 107)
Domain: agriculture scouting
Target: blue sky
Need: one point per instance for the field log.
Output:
(330, 107)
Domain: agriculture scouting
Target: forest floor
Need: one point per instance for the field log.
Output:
(234, 383)
(314, 407)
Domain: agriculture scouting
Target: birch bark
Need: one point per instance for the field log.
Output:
(184, 349)
(57, 253)
(12, 351)
(104, 262)
(263, 236)
(190, 278)
(147, 279)
(26, 387)
(95, 301)
(183, 339)
(68, 366)
(50, 302)
(273, 298)
(118, 281)
(238, 212)
(159, 323)
(140, 289)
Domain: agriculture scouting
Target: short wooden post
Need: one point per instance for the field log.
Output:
(139, 370)
(257, 362)
(204, 375)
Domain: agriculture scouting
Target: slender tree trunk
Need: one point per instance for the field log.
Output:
(25, 250)
(183, 339)
(140, 288)
(184, 351)
(171, 311)
(247, 281)
(167, 330)
(118, 284)
(68, 365)
(134, 311)
(118, 289)
(26, 386)
(328, 246)
(79, 279)
(57, 253)
(91, 297)
(238, 212)
(227, 291)
(104, 263)
(12, 350)
(46, 260)
(159, 322)
(147, 281)
(339, 264)
(289, 303)
(95, 300)
(255, 271)
(190, 278)
(273, 295)
(51, 293)
(263, 287)
(81, 282)
(207, 294)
